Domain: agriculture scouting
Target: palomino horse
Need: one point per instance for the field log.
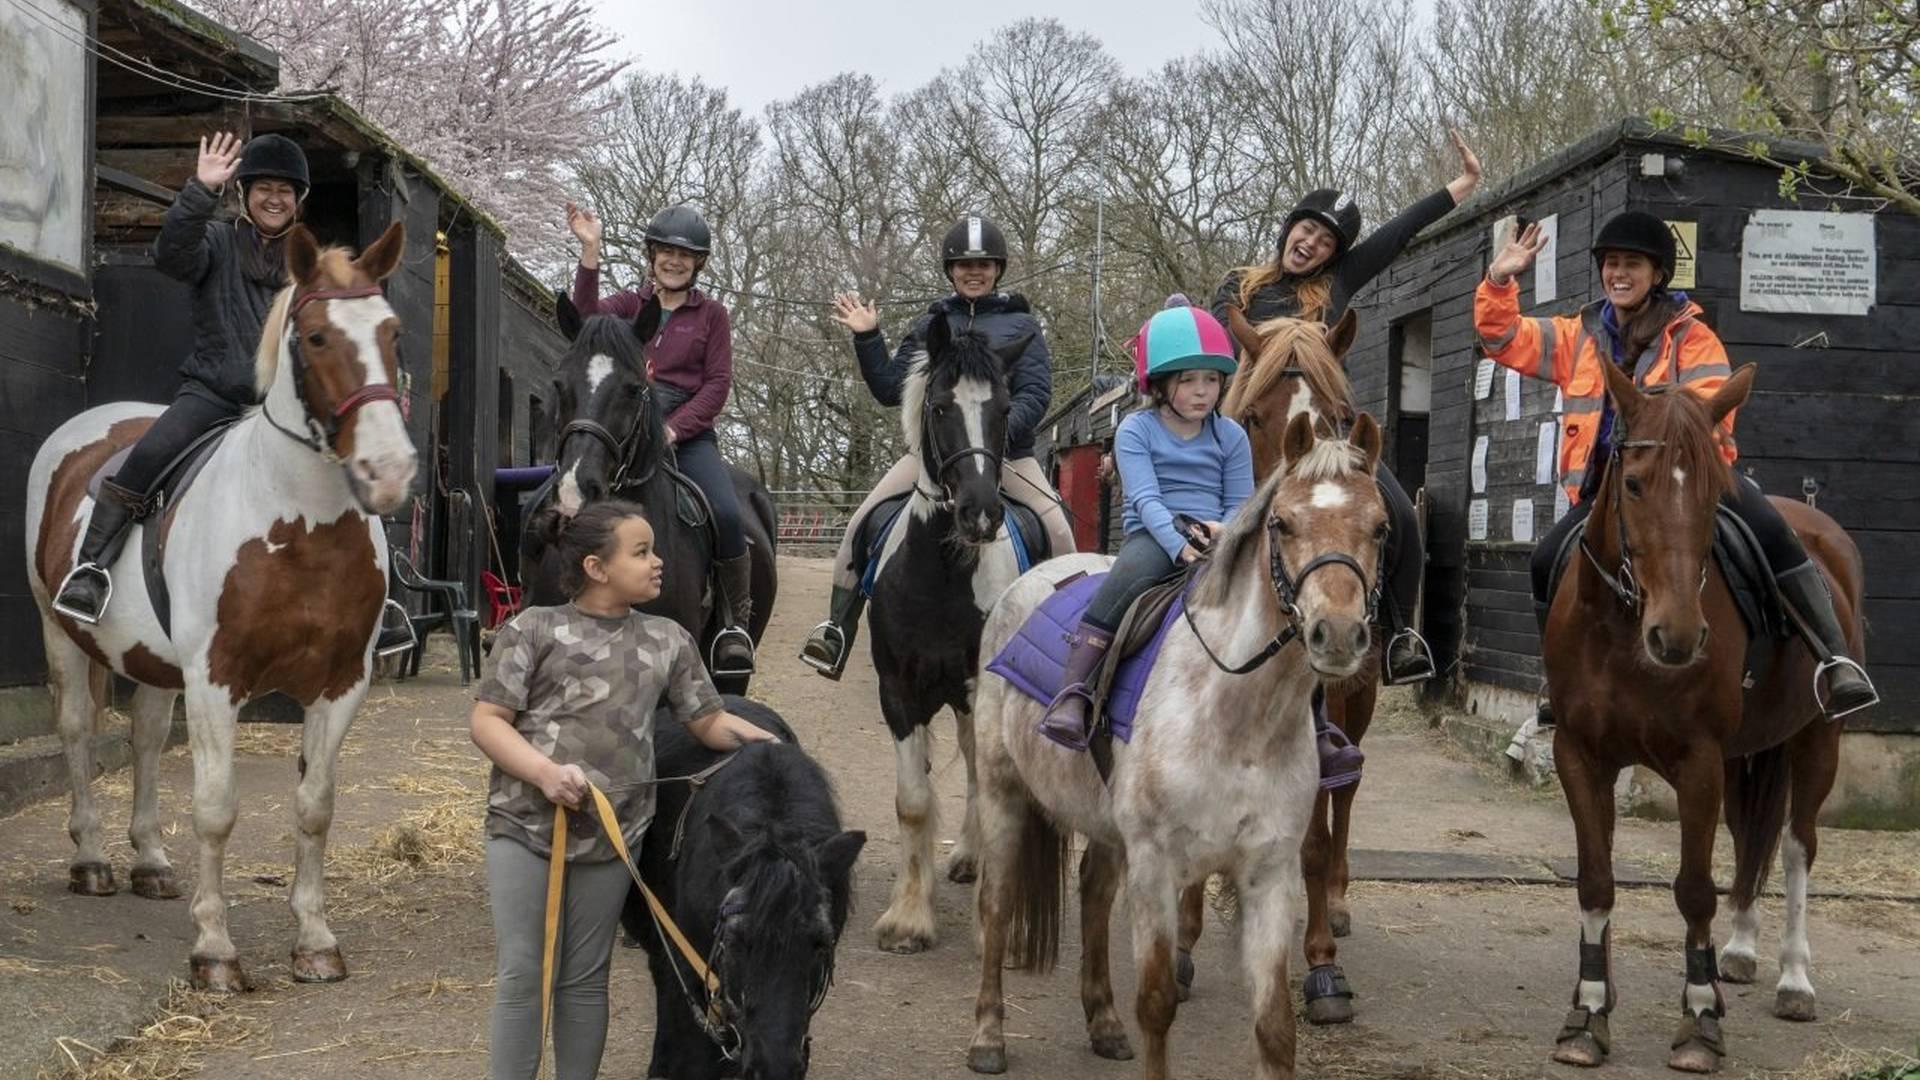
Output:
(276, 565)
(1221, 772)
(613, 441)
(942, 566)
(1645, 656)
(1291, 368)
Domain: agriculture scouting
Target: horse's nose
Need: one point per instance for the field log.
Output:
(1674, 649)
(1337, 645)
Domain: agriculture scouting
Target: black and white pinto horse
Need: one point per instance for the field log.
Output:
(756, 870)
(938, 574)
(613, 444)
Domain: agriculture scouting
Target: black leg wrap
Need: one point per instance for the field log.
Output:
(1593, 961)
(1325, 981)
(1702, 967)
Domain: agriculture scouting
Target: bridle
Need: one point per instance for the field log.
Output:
(942, 463)
(1622, 582)
(619, 450)
(1286, 589)
(322, 434)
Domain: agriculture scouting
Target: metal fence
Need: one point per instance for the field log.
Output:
(811, 522)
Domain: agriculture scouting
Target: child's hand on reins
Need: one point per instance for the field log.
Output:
(564, 784)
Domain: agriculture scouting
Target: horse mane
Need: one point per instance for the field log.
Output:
(1305, 345)
(1330, 459)
(969, 358)
(781, 802)
(613, 337)
(336, 272)
(1681, 420)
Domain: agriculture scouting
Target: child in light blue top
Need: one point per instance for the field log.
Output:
(1175, 457)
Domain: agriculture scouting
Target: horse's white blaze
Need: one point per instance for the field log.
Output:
(1301, 402)
(1328, 495)
(384, 458)
(598, 368)
(1679, 476)
(972, 396)
(1592, 993)
(570, 498)
(1795, 955)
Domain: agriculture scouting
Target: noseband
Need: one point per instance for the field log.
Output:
(323, 434)
(1286, 589)
(619, 450)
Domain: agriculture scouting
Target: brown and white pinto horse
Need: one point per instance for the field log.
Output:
(276, 565)
(1219, 777)
(1645, 659)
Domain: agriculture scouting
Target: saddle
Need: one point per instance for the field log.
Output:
(156, 503)
(1030, 542)
(1756, 594)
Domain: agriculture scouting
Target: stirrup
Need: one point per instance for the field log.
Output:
(90, 618)
(1819, 673)
(405, 622)
(724, 637)
(1422, 669)
(838, 642)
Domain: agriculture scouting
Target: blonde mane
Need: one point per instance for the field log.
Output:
(336, 272)
(1293, 344)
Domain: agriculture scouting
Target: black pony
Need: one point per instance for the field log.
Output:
(761, 885)
(614, 443)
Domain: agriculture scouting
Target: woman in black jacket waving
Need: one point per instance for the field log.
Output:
(234, 269)
(974, 256)
(1320, 263)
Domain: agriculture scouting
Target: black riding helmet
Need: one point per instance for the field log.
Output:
(1642, 233)
(274, 157)
(974, 236)
(681, 227)
(1332, 208)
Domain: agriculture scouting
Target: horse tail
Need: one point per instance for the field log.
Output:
(1039, 887)
(1756, 814)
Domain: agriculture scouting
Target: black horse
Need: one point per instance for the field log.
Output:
(761, 885)
(614, 445)
(939, 572)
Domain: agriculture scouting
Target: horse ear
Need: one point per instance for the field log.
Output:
(1298, 440)
(647, 323)
(1365, 437)
(1243, 333)
(566, 315)
(1626, 396)
(1012, 351)
(383, 255)
(837, 853)
(1732, 393)
(1341, 334)
(303, 255)
(938, 335)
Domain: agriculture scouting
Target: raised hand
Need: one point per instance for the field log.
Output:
(1517, 255)
(585, 225)
(1461, 186)
(219, 159)
(849, 312)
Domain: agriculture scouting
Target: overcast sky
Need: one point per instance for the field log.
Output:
(764, 50)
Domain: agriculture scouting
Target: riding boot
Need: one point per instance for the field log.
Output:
(831, 643)
(1543, 714)
(88, 586)
(1408, 659)
(1811, 607)
(733, 647)
(1340, 759)
(1069, 716)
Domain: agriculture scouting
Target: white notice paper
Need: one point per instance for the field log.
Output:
(1543, 454)
(1480, 464)
(1513, 394)
(1559, 401)
(1477, 519)
(1809, 262)
(1523, 521)
(1561, 504)
(1546, 270)
(1483, 379)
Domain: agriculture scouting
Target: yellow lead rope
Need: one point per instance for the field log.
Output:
(556, 886)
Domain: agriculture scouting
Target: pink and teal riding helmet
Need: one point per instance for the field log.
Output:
(1181, 338)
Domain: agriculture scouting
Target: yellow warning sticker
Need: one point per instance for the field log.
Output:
(1686, 241)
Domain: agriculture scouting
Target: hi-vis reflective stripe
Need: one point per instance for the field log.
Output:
(1545, 366)
(556, 887)
(1573, 405)
(1703, 371)
(1499, 344)
(974, 240)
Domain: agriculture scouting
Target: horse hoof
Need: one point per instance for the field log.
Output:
(1183, 974)
(1693, 1058)
(1340, 922)
(963, 870)
(1794, 1005)
(319, 965)
(1112, 1047)
(1330, 1010)
(903, 940)
(155, 883)
(91, 879)
(1737, 967)
(1582, 1050)
(217, 976)
(991, 1060)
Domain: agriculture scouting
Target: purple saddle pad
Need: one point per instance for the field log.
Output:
(1034, 661)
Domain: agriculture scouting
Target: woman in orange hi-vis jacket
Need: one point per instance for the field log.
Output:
(1656, 333)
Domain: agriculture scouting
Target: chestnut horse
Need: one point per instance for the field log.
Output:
(276, 566)
(1645, 658)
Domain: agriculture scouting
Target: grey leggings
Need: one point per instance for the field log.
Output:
(595, 893)
(1140, 565)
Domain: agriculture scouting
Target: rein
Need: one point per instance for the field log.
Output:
(943, 499)
(1286, 589)
(321, 436)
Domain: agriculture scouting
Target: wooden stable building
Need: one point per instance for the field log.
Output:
(85, 319)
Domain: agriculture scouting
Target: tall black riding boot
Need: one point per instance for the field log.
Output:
(733, 647)
(1848, 689)
(88, 586)
(831, 643)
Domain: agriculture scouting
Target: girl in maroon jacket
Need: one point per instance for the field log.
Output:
(690, 362)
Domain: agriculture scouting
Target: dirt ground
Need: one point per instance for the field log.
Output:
(1454, 979)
